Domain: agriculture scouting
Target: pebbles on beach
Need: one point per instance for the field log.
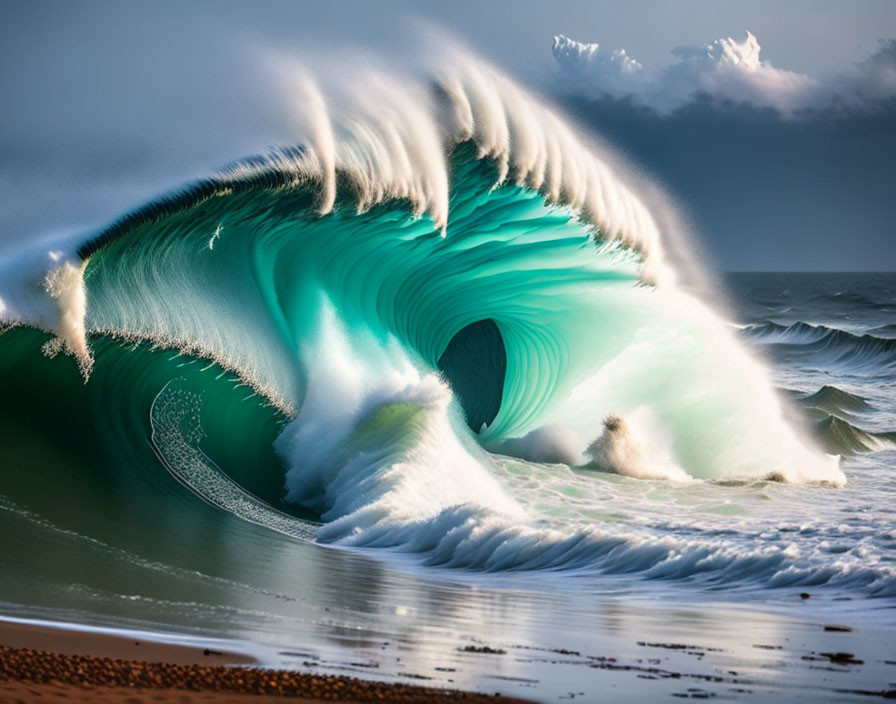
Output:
(42, 667)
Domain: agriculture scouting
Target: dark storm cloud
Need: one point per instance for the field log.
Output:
(779, 170)
(765, 191)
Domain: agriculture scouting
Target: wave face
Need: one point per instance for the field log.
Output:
(421, 298)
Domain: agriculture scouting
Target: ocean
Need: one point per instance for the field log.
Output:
(451, 417)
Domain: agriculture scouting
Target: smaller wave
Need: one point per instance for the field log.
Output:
(853, 299)
(833, 414)
(884, 331)
(828, 345)
(471, 538)
(840, 437)
(835, 401)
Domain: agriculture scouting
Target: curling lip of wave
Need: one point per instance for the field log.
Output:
(399, 154)
(531, 146)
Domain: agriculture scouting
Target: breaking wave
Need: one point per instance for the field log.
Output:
(439, 290)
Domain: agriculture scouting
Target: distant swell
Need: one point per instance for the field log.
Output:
(834, 400)
(830, 346)
(842, 438)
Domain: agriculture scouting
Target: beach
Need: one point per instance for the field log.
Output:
(44, 664)
(645, 654)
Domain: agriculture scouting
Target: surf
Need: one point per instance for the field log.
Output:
(419, 292)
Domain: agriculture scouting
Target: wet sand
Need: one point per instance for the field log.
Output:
(40, 664)
(751, 656)
(106, 645)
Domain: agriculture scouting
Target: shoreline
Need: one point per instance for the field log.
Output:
(77, 639)
(40, 662)
(745, 656)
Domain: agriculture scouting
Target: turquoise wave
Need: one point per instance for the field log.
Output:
(248, 277)
(354, 361)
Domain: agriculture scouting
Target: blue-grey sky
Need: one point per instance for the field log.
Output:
(109, 103)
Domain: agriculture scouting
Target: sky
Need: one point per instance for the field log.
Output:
(778, 145)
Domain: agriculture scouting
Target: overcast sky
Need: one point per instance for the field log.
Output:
(107, 104)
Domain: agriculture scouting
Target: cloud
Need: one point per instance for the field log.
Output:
(809, 192)
(873, 79)
(586, 65)
(726, 71)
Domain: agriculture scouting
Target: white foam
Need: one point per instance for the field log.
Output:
(373, 444)
(547, 444)
(392, 138)
(43, 286)
(636, 445)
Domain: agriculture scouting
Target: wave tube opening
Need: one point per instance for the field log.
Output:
(474, 363)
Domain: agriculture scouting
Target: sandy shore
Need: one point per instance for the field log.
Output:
(115, 647)
(40, 664)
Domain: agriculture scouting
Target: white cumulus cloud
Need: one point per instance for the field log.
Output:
(726, 70)
(588, 65)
